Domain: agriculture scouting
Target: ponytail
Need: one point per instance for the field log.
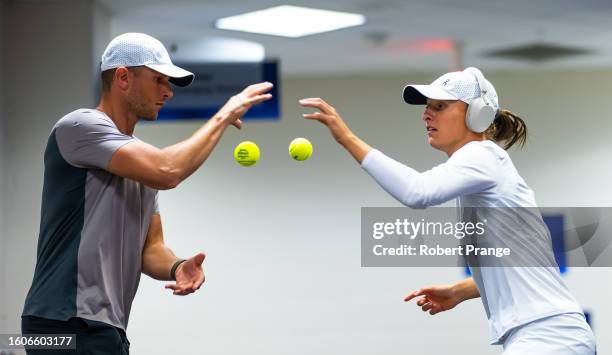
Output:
(507, 129)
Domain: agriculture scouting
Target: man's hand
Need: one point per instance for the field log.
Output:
(436, 299)
(189, 276)
(239, 104)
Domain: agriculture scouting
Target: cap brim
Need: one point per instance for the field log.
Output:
(418, 94)
(178, 76)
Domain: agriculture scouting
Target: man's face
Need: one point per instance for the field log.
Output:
(148, 92)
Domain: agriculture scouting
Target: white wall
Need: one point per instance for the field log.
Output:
(49, 46)
(2, 170)
(101, 35)
(282, 238)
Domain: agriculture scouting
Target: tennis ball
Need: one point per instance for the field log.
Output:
(300, 149)
(246, 153)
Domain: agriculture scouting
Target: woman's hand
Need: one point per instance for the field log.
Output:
(339, 130)
(328, 116)
(440, 298)
(435, 299)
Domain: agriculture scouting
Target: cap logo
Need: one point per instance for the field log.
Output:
(445, 82)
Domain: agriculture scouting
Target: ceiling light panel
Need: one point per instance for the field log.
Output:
(290, 21)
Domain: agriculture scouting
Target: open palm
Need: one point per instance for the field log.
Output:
(189, 276)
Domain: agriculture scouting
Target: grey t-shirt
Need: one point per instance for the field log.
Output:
(93, 225)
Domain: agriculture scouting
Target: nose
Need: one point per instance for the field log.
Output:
(168, 93)
(427, 115)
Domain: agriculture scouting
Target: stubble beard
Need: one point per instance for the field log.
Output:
(139, 107)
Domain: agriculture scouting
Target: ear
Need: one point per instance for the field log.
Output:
(121, 78)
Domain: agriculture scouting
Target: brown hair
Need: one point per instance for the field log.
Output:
(109, 75)
(107, 79)
(507, 129)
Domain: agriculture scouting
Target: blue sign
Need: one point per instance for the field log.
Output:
(588, 317)
(215, 83)
(557, 235)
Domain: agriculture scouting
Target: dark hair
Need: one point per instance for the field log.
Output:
(107, 79)
(507, 129)
(109, 75)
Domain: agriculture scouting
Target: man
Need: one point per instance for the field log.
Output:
(100, 222)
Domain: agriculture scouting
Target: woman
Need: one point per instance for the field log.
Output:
(530, 309)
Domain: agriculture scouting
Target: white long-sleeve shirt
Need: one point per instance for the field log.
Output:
(481, 174)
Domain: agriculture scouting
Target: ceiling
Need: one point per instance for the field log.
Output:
(414, 35)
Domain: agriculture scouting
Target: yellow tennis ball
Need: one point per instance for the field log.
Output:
(300, 149)
(246, 153)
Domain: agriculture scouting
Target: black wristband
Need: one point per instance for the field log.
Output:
(174, 267)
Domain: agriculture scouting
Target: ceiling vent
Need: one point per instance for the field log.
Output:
(537, 52)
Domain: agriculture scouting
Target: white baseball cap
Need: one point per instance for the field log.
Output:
(136, 49)
(458, 85)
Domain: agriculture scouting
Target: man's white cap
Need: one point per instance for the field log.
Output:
(136, 49)
(458, 85)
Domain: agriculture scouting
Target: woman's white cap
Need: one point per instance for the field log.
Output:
(458, 85)
(136, 49)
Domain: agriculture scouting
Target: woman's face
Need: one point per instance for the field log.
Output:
(445, 122)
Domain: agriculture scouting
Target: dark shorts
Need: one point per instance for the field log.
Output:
(92, 337)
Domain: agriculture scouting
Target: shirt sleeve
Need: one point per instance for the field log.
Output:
(88, 140)
(469, 170)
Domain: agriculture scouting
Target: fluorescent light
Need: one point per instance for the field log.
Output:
(218, 49)
(290, 21)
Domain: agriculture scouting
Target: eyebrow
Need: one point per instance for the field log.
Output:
(161, 76)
